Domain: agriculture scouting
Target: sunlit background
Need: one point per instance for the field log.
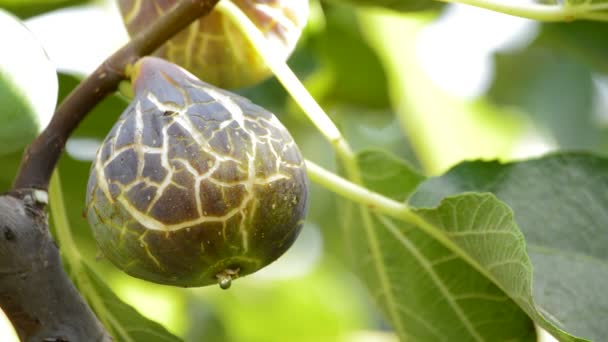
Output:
(309, 294)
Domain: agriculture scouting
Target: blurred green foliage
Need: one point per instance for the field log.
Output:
(397, 5)
(29, 8)
(555, 89)
(582, 39)
(543, 74)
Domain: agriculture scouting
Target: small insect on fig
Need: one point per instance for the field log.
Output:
(194, 185)
(214, 48)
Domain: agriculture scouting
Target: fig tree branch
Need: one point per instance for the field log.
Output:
(35, 291)
(41, 156)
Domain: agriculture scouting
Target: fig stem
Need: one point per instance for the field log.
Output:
(40, 158)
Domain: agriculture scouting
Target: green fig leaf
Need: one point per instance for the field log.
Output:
(405, 268)
(554, 89)
(122, 320)
(580, 39)
(353, 71)
(560, 203)
(389, 174)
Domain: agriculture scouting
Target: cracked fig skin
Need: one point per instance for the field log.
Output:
(213, 48)
(194, 185)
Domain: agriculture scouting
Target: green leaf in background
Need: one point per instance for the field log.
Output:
(124, 322)
(583, 40)
(351, 72)
(561, 205)
(29, 8)
(428, 291)
(371, 129)
(397, 5)
(385, 172)
(9, 165)
(555, 90)
(28, 86)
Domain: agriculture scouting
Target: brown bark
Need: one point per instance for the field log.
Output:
(35, 291)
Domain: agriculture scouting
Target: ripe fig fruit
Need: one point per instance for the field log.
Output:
(194, 185)
(213, 48)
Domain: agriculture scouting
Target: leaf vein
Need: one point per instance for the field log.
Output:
(408, 245)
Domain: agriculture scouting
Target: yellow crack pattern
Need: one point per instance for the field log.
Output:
(214, 47)
(197, 156)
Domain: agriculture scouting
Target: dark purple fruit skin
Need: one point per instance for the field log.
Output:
(252, 188)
